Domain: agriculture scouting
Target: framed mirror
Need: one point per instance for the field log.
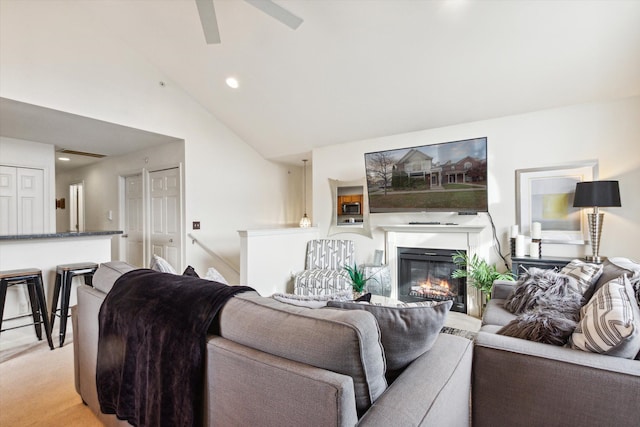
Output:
(350, 207)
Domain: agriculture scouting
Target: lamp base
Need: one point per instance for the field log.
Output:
(595, 259)
(595, 231)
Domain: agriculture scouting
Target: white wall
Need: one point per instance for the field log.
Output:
(607, 131)
(271, 257)
(58, 63)
(18, 152)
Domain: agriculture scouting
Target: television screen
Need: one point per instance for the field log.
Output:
(446, 177)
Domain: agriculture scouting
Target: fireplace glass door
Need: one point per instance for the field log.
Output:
(425, 275)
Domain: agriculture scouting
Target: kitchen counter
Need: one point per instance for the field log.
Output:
(46, 251)
(59, 235)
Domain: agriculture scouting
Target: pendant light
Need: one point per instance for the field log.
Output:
(305, 222)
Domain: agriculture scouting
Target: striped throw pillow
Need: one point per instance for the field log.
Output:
(585, 273)
(610, 321)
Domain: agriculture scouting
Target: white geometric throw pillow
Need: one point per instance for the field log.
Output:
(585, 273)
(610, 321)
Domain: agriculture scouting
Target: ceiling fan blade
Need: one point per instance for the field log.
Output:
(209, 22)
(277, 12)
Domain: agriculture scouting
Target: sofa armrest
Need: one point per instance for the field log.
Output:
(246, 386)
(502, 289)
(434, 390)
(522, 383)
(85, 337)
(76, 348)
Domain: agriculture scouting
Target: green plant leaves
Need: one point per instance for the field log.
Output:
(480, 273)
(358, 281)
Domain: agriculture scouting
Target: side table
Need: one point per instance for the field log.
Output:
(379, 282)
(520, 264)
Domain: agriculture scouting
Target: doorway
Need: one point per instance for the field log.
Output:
(134, 252)
(153, 217)
(165, 223)
(76, 207)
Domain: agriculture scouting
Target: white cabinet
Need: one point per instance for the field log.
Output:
(21, 200)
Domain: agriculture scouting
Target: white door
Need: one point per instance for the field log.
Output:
(21, 200)
(134, 220)
(165, 223)
(8, 206)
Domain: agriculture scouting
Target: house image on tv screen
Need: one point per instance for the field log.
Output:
(450, 176)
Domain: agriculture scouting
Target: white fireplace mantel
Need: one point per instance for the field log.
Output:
(474, 238)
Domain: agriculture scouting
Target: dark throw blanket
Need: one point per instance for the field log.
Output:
(153, 327)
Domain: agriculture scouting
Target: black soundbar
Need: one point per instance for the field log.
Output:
(431, 223)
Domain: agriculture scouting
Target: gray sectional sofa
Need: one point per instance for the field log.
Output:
(275, 364)
(517, 382)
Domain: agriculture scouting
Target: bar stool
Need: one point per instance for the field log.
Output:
(32, 277)
(64, 277)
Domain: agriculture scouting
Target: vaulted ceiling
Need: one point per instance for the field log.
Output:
(358, 69)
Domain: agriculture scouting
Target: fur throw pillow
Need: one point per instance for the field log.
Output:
(541, 325)
(545, 289)
(548, 307)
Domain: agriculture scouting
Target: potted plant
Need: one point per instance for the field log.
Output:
(479, 271)
(358, 281)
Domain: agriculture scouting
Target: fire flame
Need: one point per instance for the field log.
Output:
(443, 284)
(434, 289)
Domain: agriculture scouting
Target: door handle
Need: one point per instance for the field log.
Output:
(125, 236)
(170, 240)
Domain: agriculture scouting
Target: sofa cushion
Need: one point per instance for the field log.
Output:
(346, 342)
(407, 332)
(610, 322)
(496, 314)
(107, 274)
(613, 268)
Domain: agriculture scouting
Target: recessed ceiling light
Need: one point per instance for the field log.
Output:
(232, 82)
(64, 159)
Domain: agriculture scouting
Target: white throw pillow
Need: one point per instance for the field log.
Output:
(162, 265)
(214, 275)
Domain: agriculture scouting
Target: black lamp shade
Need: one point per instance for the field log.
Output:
(597, 193)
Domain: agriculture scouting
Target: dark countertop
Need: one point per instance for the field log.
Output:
(59, 235)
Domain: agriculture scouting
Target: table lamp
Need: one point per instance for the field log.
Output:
(596, 194)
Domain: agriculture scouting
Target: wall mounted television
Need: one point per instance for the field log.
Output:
(444, 177)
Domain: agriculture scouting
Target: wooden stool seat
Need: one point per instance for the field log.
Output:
(32, 277)
(64, 277)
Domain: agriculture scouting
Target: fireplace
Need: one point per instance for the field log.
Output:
(425, 275)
